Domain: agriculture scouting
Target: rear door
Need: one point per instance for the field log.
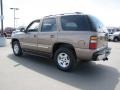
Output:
(47, 35)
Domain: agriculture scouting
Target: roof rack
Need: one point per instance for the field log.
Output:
(71, 13)
(65, 14)
(49, 15)
(79, 12)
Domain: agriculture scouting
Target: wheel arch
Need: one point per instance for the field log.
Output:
(13, 40)
(62, 44)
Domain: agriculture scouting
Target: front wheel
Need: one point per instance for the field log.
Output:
(17, 48)
(65, 59)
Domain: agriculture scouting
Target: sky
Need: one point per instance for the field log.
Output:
(108, 11)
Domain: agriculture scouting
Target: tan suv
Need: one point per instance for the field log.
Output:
(66, 38)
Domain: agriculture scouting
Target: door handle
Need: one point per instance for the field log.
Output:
(51, 36)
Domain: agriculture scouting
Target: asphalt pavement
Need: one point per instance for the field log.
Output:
(36, 73)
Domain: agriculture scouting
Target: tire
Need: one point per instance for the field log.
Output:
(5, 35)
(116, 39)
(17, 48)
(65, 59)
(85, 61)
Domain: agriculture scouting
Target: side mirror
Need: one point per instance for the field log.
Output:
(111, 33)
(22, 29)
(25, 31)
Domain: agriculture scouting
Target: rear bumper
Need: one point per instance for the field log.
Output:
(102, 54)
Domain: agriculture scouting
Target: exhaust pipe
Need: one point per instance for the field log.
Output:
(105, 59)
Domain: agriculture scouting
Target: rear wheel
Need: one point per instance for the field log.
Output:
(85, 61)
(5, 35)
(116, 39)
(65, 59)
(17, 48)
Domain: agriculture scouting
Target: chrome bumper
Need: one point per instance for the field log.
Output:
(102, 54)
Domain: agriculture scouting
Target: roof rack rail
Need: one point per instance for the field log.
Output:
(65, 14)
(72, 13)
(79, 12)
(49, 15)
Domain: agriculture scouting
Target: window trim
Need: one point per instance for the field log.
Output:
(27, 29)
(46, 19)
(85, 16)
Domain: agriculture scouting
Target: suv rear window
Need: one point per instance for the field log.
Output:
(75, 23)
(97, 24)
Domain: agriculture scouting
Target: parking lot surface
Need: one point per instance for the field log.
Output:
(36, 73)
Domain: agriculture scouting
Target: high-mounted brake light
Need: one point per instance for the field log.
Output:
(93, 42)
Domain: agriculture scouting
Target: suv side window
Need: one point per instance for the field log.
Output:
(49, 25)
(97, 24)
(75, 23)
(33, 27)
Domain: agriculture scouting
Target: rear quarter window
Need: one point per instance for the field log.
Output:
(96, 24)
(75, 23)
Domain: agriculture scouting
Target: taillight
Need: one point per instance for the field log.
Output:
(93, 42)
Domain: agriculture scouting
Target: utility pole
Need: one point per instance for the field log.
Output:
(14, 9)
(1, 4)
(2, 38)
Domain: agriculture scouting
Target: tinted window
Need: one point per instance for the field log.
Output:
(49, 25)
(75, 23)
(97, 24)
